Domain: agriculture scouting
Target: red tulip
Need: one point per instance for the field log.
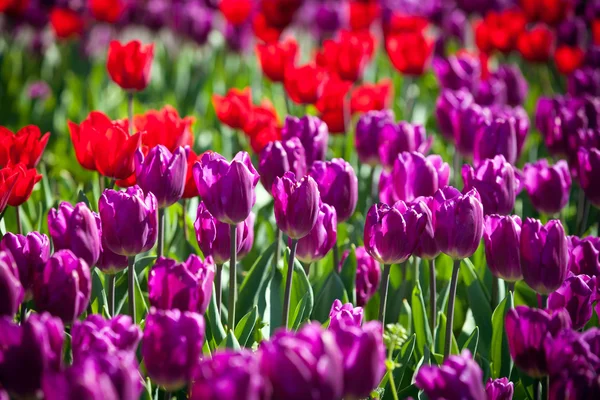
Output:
(14, 7)
(234, 108)
(370, 96)
(346, 57)
(334, 104)
(596, 31)
(26, 180)
(409, 52)
(8, 179)
(191, 190)
(6, 142)
(106, 10)
(305, 84)
(363, 13)
(500, 31)
(265, 136)
(549, 11)
(568, 59)
(115, 152)
(399, 23)
(129, 65)
(235, 12)
(84, 137)
(279, 13)
(263, 31)
(164, 127)
(535, 45)
(261, 117)
(130, 180)
(66, 23)
(275, 58)
(26, 146)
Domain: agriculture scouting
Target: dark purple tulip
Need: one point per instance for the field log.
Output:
(589, 173)
(458, 378)
(75, 229)
(213, 236)
(238, 37)
(108, 262)
(279, 157)
(449, 102)
(571, 32)
(321, 238)
(100, 336)
(454, 25)
(427, 247)
(495, 182)
(558, 122)
(584, 81)
(172, 346)
(227, 188)
(499, 389)
(465, 124)
(29, 252)
(11, 290)
(162, 173)
(229, 375)
(297, 204)
(185, 286)
(63, 286)
(548, 186)
(368, 275)
(397, 138)
(491, 91)
(576, 295)
(192, 20)
(526, 330)
(544, 255)
(301, 365)
(392, 232)
(496, 137)
(544, 112)
(502, 238)
(366, 138)
(313, 134)
(516, 84)
(337, 185)
(416, 175)
(344, 315)
(457, 72)
(129, 220)
(28, 352)
(584, 255)
(519, 115)
(458, 222)
(592, 56)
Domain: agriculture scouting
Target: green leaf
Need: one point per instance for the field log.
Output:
(440, 335)
(479, 302)
(401, 361)
(230, 341)
(405, 318)
(300, 287)
(252, 291)
(141, 307)
(348, 274)
(302, 312)
(499, 354)
(472, 342)
(420, 322)
(332, 289)
(215, 333)
(244, 328)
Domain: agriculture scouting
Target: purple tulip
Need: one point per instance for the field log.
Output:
(584, 81)
(129, 220)
(366, 139)
(172, 346)
(457, 72)
(392, 232)
(29, 252)
(185, 286)
(227, 189)
(101, 336)
(521, 124)
(337, 185)
(557, 119)
(502, 238)
(63, 286)
(515, 82)
(214, 236)
(301, 365)
(589, 173)
(108, 262)
(75, 229)
(397, 138)
(447, 104)
(248, 236)
(229, 375)
(427, 247)
(571, 32)
(465, 124)
(496, 137)
(344, 315)
(491, 91)
(279, 157)
(415, 175)
(459, 377)
(238, 37)
(495, 182)
(385, 186)
(313, 134)
(38, 90)
(576, 295)
(192, 20)
(368, 275)
(499, 389)
(28, 352)
(321, 238)
(458, 222)
(297, 204)
(162, 173)
(548, 186)
(11, 290)
(544, 255)
(584, 255)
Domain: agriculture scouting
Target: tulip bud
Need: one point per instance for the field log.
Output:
(415, 175)
(447, 103)
(366, 139)
(344, 315)
(185, 286)
(129, 65)
(368, 275)
(297, 204)
(496, 184)
(499, 389)
(496, 137)
(279, 157)
(75, 229)
(11, 290)
(63, 287)
(313, 135)
(162, 173)
(172, 346)
(129, 220)
(395, 139)
(392, 232)
(584, 255)
(501, 237)
(29, 252)
(458, 222)
(227, 189)
(589, 173)
(548, 186)
(337, 185)
(576, 295)
(101, 336)
(427, 247)
(321, 238)
(544, 255)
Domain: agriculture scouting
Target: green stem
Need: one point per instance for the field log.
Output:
(390, 369)
(101, 182)
(186, 236)
(278, 235)
(110, 293)
(583, 213)
(232, 280)
(451, 300)
(218, 288)
(160, 243)
(511, 286)
(19, 222)
(288, 283)
(537, 393)
(130, 286)
(495, 290)
(432, 294)
(383, 292)
(336, 258)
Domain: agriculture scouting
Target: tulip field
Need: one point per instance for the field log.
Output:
(300, 199)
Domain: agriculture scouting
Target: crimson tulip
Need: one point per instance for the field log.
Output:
(233, 108)
(116, 150)
(66, 23)
(129, 65)
(409, 52)
(275, 58)
(164, 127)
(26, 180)
(535, 44)
(305, 84)
(372, 96)
(106, 10)
(25, 146)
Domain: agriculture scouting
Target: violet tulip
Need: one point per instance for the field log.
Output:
(502, 238)
(584, 255)
(448, 103)
(496, 137)
(589, 173)
(11, 290)
(98, 335)
(297, 204)
(516, 84)
(368, 275)
(427, 247)
(465, 124)
(416, 175)
(337, 185)
(313, 134)
(368, 129)
(395, 139)
(576, 295)
(548, 186)
(457, 72)
(344, 315)
(321, 238)
(495, 182)
(279, 157)
(30, 252)
(499, 389)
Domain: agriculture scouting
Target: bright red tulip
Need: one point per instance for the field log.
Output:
(334, 104)
(265, 136)
(15, 7)
(66, 23)
(275, 58)
(106, 10)
(370, 96)
(305, 84)
(263, 31)
(84, 137)
(26, 180)
(500, 31)
(568, 59)
(129, 65)
(399, 23)
(164, 127)
(115, 152)
(346, 57)
(234, 108)
(8, 179)
(363, 13)
(409, 52)
(535, 45)
(596, 31)
(261, 117)
(235, 12)
(549, 11)
(26, 146)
